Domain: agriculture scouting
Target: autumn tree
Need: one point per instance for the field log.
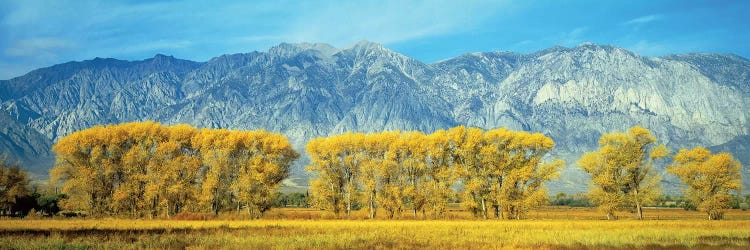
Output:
(622, 172)
(406, 156)
(476, 176)
(173, 182)
(440, 174)
(374, 168)
(88, 169)
(138, 169)
(147, 169)
(329, 186)
(216, 176)
(265, 160)
(711, 179)
(14, 183)
(519, 173)
(396, 171)
(242, 168)
(350, 157)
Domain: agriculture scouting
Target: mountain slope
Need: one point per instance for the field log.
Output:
(308, 90)
(23, 144)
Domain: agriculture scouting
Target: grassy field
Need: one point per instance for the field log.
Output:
(583, 229)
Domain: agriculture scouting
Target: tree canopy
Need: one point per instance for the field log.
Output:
(396, 171)
(621, 170)
(148, 169)
(710, 179)
(14, 184)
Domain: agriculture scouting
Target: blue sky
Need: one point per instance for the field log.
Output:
(37, 34)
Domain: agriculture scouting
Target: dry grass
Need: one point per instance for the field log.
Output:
(544, 213)
(676, 229)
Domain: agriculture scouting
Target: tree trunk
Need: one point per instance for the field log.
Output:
(484, 209)
(216, 207)
(611, 216)
(372, 205)
(348, 203)
(372, 210)
(639, 210)
(638, 206)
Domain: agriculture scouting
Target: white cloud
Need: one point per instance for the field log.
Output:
(643, 20)
(46, 32)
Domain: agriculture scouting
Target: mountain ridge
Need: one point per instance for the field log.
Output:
(308, 90)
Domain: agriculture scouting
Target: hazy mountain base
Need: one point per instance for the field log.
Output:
(308, 90)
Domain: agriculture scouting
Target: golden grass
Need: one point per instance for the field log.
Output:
(537, 233)
(550, 212)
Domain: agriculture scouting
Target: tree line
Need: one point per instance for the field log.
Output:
(503, 172)
(500, 172)
(145, 169)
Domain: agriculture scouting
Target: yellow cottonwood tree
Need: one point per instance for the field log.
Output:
(622, 170)
(393, 179)
(174, 171)
(710, 179)
(408, 152)
(375, 148)
(217, 174)
(329, 185)
(265, 160)
(440, 173)
(475, 175)
(395, 171)
(522, 174)
(337, 160)
(146, 169)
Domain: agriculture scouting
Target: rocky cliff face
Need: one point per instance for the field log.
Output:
(308, 90)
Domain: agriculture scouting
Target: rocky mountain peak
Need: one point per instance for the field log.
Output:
(365, 44)
(163, 58)
(291, 49)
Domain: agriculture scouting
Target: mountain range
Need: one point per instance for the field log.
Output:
(308, 90)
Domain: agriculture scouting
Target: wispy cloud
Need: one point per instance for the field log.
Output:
(37, 33)
(389, 21)
(643, 20)
(36, 46)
